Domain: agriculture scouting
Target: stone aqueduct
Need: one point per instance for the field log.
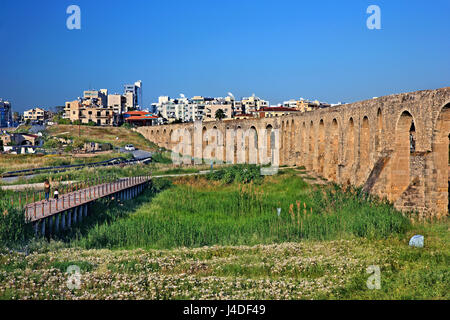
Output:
(396, 146)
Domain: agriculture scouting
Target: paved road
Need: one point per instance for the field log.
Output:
(137, 154)
(14, 179)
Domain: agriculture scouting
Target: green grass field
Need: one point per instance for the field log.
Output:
(217, 238)
(198, 212)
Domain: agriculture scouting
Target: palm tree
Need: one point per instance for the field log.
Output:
(220, 114)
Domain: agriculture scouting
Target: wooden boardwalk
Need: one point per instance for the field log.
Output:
(44, 209)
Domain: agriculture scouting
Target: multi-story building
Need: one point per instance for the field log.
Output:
(133, 92)
(305, 105)
(5, 114)
(291, 104)
(253, 103)
(97, 96)
(271, 112)
(205, 108)
(86, 112)
(211, 109)
(35, 114)
(118, 102)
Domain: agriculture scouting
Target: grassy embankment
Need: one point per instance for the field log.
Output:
(117, 136)
(319, 247)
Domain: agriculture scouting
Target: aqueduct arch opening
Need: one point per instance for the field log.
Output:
(333, 155)
(311, 151)
(269, 143)
(364, 150)
(321, 149)
(440, 150)
(404, 145)
(350, 151)
(379, 133)
(303, 144)
(292, 143)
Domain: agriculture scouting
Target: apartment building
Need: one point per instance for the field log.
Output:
(35, 114)
(133, 93)
(253, 103)
(271, 112)
(118, 102)
(97, 96)
(85, 112)
(5, 114)
(211, 109)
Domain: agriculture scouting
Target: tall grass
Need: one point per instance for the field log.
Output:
(197, 212)
(13, 228)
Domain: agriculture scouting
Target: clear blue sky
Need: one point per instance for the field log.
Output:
(275, 49)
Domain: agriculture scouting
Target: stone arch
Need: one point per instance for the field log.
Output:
(350, 147)
(364, 150)
(282, 143)
(303, 144)
(311, 148)
(321, 149)
(230, 145)
(268, 140)
(251, 146)
(191, 134)
(440, 158)
(287, 146)
(379, 132)
(292, 143)
(239, 153)
(333, 154)
(170, 144)
(401, 172)
(204, 142)
(213, 141)
(164, 139)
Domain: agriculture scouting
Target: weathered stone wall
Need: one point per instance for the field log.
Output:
(365, 143)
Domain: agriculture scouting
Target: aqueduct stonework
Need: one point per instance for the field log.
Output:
(396, 146)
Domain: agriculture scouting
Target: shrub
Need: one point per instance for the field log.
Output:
(159, 185)
(242, 173)
(161, 158)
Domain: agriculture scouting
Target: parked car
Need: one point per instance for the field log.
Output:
(130, 147)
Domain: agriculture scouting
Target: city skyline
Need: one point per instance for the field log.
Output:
(278, 51)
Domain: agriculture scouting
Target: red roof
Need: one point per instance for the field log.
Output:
(136, 113)
(140, 118)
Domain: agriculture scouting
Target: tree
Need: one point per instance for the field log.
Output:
(220, 114)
